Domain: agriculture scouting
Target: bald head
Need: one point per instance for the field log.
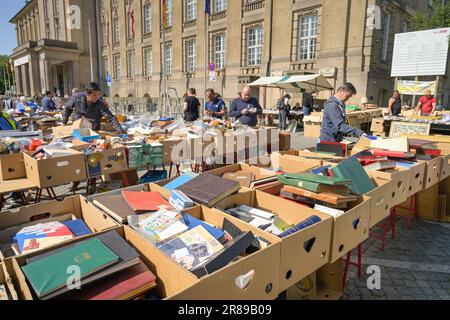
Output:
(245, 94)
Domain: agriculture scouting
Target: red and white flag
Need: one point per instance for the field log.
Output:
(131, 19)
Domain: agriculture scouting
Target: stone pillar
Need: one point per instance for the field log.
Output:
(49, 76)
(65, 90)
(18, 36)
(75, 74)
(31, 25)
(18, 79)
(35, 84)
(25, 80)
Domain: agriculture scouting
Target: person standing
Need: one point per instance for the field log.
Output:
(334, 123)
(215, 106)
(48, 105)
(246, 108)
(395, 104)
(191, 106)
(283, 111)
(427, 105)
(308, 103)
(88, 105)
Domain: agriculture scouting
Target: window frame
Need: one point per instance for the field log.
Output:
(252, 51)
(146, 63)
(311, 36)
(147, 20)
(117, 66)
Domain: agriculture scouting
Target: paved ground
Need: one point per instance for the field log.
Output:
(414, 266)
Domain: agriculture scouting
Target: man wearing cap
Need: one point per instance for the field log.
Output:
(427, 105)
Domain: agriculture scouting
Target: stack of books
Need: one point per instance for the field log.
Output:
(128, 203)
(310, 189)
(108, 268)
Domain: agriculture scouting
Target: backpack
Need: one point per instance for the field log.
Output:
(280, 104)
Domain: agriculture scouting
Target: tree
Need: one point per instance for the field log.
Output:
(439, 18)
(4, 60)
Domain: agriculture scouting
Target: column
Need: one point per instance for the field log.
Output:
(18, 79)
(31, 24)
(75, 74)
(25, 80)
(19, 41)
(34, 75)
(48, 76)
(65, 90)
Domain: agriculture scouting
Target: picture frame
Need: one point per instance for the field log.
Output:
(399, 129)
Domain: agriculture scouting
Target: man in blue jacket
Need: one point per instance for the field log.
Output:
(334, 123)
(246, 108)
(48, 105)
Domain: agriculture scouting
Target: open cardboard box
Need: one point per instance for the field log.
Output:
(221, 284)
(12, 166)
(104, 162)
(67, 131)
(432, 171)
(6, 280)
(293, 163)
(52, 172)
(12, 221)
(401, 179)
(259, 173)
(296, 262)
(380, 200)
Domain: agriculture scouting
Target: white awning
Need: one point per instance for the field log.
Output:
(309, 82)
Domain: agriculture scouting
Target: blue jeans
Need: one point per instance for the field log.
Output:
(306, 111)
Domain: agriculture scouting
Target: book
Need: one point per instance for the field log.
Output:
(3, 293)
(192, 223)
(49, 274)
(192, 248)
(77, 227)
(314, 186)
(429, 152)
(318, 178)
(406, 164)
(209, 189)
(321, 170)
(309, 201)
(180, 201)
(312, 220)
(244, 178)
(420, 143)
(330, 211)
(231, 250)
(41, 236)
(351, 169)
(400, 144)
(256, 212)
(259, 182)
(140, 201)
(335, 149)
(159, 226)
(128, 257)
(380, 165)
(184, 178)
(115, 206)
(124, 285)
(325, 197)
(392, 154)
(364, 160)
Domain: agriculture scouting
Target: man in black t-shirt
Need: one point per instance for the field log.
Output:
(191, 106)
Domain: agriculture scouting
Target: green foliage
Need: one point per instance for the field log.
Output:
(3, 60)
(440, 18)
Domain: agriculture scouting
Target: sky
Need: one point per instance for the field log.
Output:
(8, 39)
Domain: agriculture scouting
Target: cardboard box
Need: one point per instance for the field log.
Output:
(259, 173)
(378, 125)
(12, 166)
(380, 200)
(351, 228)
(292, 163)
(432, 171)
(12, 221)
(5, 279)
(285, 141)
(296, 262)
(329, 280)
(416, 181)
(85, 134)
(312, 130)
(56, 171)
(305, 289)
(168, 149)
(67, 131)
(401, 179)
(264, 284)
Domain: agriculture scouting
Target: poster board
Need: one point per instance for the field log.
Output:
(399, 129)
(422, 53)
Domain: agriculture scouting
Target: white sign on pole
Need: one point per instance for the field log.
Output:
(422, 53)
(212, 76)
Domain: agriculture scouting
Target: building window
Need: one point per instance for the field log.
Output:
(116, 30)
(254, 45)
(130, 65)
(386, 32)
(147, 18)
(168, 58)
(169, 13)
(220, 5)
(307, 37)
(191, 10)
(57, 9)
(148, 62)
(219, 50)
(116, 66)
(190, 55)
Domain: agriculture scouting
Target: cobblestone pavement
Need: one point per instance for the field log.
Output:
(414, 266)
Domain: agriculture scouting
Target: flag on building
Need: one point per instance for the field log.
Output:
(131, 20)
(208, 7)
(107, 33)
(164, 14)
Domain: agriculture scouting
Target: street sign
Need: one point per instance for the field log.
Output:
(212, 76)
